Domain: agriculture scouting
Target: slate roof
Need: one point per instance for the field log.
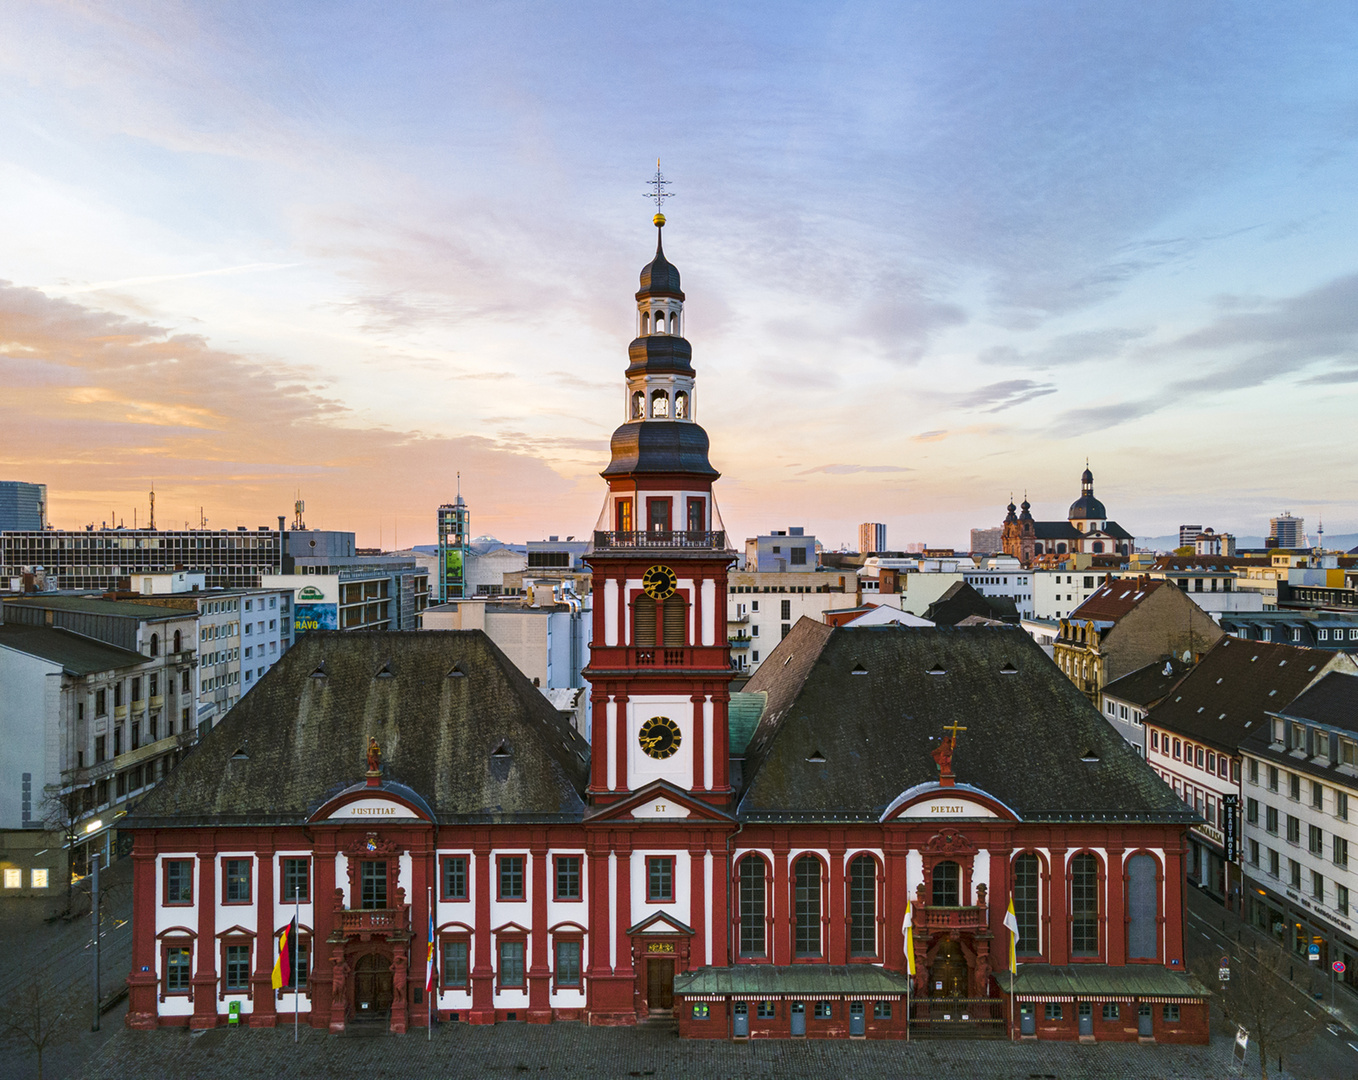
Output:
(772, 981)
(1333, 701)
(1055, 530)
(1146, 685)
(1234, 688)
(1112, 601)
(93, 605)
(961, 600)
(659, 277)
(1027, 730)
(660, 446)
(305, 737)
(1087, 980)
(77, 655)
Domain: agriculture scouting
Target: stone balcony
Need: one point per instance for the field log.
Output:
(936, 917)
(364, 924)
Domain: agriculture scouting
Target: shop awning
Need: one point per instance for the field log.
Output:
(762, 982)
(1102, 982)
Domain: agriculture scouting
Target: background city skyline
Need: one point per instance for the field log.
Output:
(932, 257)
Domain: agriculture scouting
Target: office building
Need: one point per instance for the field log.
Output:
(1286, 531)
(22, 506)
(454, 526)
(871, 537)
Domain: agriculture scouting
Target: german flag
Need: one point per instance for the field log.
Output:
(282, 965)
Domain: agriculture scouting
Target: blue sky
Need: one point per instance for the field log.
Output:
(933, 253)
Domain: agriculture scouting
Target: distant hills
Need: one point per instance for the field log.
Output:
(1342, 541)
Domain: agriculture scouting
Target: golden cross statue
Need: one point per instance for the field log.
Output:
(954, 727)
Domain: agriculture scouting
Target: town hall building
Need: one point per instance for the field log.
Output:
(830, 854)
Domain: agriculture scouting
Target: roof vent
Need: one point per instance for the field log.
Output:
(1089, 755)
(1282, 663)
(501, 751)
(937, 669)
(859, 669)
(1218, 682)
(1272, 692)
(787, 659)
(1008, 668)
(385, 672)
(457, 673)
(319, 673)
(240, 754)
(816, 757)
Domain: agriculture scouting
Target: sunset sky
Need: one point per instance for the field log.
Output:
(933, 253)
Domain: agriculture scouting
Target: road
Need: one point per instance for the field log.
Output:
(1211, 933)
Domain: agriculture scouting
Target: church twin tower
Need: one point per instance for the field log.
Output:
(660, 663)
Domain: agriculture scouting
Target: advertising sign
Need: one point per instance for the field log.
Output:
(1230, 807)
(307, 617)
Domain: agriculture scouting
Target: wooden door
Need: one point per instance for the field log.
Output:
(372, 985)
(660, 984)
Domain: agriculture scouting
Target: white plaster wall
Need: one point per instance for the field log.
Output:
(610, 602)
(680, 907)
(678, 769)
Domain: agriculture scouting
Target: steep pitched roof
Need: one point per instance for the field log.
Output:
(1332, 701)
(1147, 685)
(961, 600)
(854, 713)
(1112, 601)
(1236, 685)
(77, 655)
(1055, 530)
(455, 719)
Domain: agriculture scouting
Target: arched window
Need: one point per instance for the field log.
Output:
(863, 906)
(1098, 547)
(660, 403)
(645, 323)
(1084, 905)
(659, 322)
(681, 405)
(752, 906)
(1027, 885)
(1037, 549)
(674, 322)
(806, 936)
(947, 884)
(155, 644)
(1060, 549)
(1142, 908)
(177, 640)
(638, 404)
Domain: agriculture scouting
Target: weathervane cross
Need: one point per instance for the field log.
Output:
(660, 184)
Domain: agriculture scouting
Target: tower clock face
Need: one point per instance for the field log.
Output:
(660, 737)
(659, 582)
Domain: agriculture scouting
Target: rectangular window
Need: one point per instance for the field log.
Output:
(1341, 851)
(767, 1010)
(702, 1012)
(787, 609)
(1295, 868)
(511, 877)
(1027, 882)
(1293, 830)
(1177, 745)
(1155, 740)
(1315, 840)
(659, 879)
(568, 963)
(697, 515)
(1110, 1011)
(511, 963)
(1341, 805)
(296, 881)
(1318, 886)
(100, 748)
(454, 879)
(752, 906)
(1254, 771)
(1051, 1010)
(825, 1010)
(1341, 899)
(455, 964)
(1273, 778)
(1252, 811)
(568, 877)
(1273, 863)
(1271, 819)
(1254, 852)
(658, 514)
(1294, 787)
(797, 556)
(236, 971)
(236, 881)
(807, 907)
(863, 906)
(179, 881)
(372, 884)
(100, 703)
(1084, 906)
(178, 962)
(881, 1010)
(1169, 1014)
(301, 963)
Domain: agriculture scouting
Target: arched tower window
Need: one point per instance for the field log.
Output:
(947, 884)
(177, 641)
(1084, 905)
(1027, 889)
(753, 905)
(638, 404)
(863, 906)
(1143, 907)
(806, 934)
(681, 405)
(155, 644)
(659, 322)
(645, 323)
(674, 322)
(660, 403)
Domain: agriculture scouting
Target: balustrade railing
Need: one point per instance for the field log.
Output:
(656, 538)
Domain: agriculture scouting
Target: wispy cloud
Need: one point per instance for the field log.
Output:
(848, 470)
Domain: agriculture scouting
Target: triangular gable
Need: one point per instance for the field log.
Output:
(658, 801)
(660, 923)
(510, 928)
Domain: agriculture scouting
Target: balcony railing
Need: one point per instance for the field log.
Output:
(739, 642)
(373, 920)
(931, 917)
(654, 538)
(662, 657)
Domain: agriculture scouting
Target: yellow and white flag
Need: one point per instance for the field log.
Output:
(906, 929)
(1011, 924)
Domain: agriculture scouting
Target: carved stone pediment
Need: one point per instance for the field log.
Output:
(949, 843)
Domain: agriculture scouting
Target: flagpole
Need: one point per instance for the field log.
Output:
(296, 948)
(428, 980)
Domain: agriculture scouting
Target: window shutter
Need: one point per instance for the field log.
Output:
(676, 622)
(643, 622)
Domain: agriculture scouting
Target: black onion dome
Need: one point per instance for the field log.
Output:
(660, 277)
(1087, 477)
(1086, 507)
(662, 446)
(660, 354)
(1027, 509)
(1010, 516)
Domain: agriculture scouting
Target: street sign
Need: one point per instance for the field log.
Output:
(1242, 1040)
(1338, 966)
(1224, 974)
(1313, 952)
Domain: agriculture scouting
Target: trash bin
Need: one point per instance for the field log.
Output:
(233, 1013)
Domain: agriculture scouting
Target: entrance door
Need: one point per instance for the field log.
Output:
(740, 1023)
(1086, 1018)
(660, 984)
(948, 974)
(799, 1018)
(1027, 1019)
(1143, 1022)
(372, 985)
(857, 1025)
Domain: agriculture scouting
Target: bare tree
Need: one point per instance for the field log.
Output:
(1260, 999)
(61, 814)
(34, 1015)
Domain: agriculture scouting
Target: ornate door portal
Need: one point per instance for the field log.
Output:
(372, 986)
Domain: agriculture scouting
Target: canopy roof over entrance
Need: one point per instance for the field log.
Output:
(798, 980)
(1100, 980)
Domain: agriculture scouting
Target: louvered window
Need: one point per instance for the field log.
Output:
(643, 622)
(676, 622)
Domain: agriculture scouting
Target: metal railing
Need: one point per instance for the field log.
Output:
(655, 538)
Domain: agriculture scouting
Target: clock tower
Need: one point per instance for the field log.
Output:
(659, 664)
